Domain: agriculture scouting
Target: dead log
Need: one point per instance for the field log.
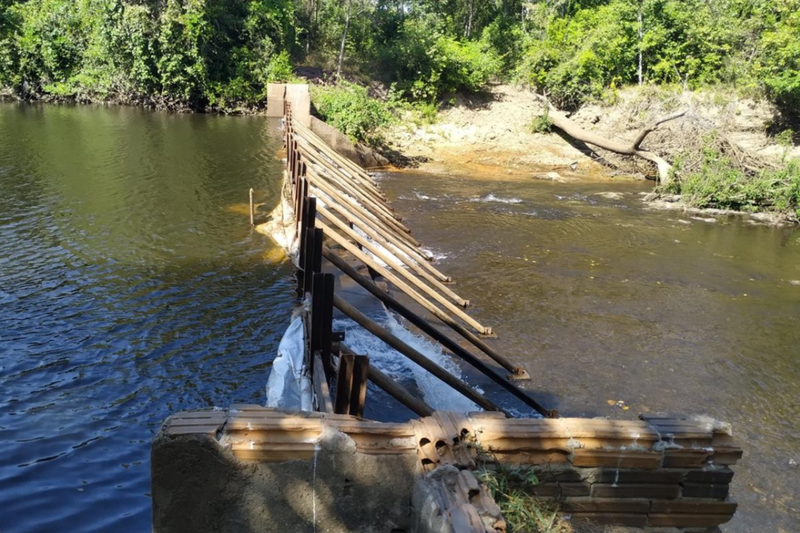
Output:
(633, 148)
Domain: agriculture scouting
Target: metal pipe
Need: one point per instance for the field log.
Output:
(319, 157)
(437, 335)
(373, 230)
(347, 184)
(398, 393)
(361, 256)
(414, 355)
(394, 261)
(388, 218)
(359, 172)
(344, 200)
(446, 319)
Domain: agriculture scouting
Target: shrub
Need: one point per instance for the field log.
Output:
(719, 183)
(280, 69)
(348, 108)
(512, 489)
(780, 65)
(542, 124)
(429, 64)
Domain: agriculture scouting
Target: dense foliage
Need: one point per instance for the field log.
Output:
(349, 109)
(195, 53)
(219, 54)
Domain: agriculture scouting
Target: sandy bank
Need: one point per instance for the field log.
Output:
(491, 136)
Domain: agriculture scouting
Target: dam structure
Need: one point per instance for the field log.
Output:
(310, 460)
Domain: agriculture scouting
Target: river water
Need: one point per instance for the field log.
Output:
(131, 287)
(604, 301)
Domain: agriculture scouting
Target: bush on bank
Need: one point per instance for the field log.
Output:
(720, 183)
(180, 53)
(348, 108)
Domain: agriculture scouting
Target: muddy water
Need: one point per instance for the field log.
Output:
(606, 302)
(131, 287)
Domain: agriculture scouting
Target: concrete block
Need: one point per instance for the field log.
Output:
(198, 484)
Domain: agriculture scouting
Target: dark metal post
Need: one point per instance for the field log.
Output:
(317, 311)
(415, 356)
(326, 334)
(358, 390)
(434, 333)
(344, 384)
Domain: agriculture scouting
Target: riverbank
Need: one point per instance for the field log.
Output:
(493, 132)
(493, 136)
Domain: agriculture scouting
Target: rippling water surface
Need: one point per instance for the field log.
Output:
(131, 287)
(603, 301)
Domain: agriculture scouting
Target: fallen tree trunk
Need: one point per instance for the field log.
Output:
(633, 148)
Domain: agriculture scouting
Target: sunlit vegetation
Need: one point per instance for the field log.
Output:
(219, 54)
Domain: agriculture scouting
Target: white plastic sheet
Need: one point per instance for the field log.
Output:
(288, 386)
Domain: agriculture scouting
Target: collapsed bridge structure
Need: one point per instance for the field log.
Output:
(309, 460)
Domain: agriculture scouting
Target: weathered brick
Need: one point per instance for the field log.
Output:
(605, 505)
(636, 490)
(705, 490)
(688, 458)
(693, 506)
(687, 520)
(726, 456)
(715, 476)
(561, 489)
(621, 519)
(617, 476)
(546, 474)
(531, 457)
(616, 459)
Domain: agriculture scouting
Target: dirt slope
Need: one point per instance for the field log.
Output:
(491, 135)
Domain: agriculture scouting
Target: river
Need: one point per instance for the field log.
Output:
(602, 300)
(131, 287)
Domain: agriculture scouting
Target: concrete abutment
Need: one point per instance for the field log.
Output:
(251, 469)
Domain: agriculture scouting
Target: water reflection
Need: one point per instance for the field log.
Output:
(129, 291)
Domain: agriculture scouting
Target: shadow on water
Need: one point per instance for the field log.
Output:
(128, 290)
(604, 301)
